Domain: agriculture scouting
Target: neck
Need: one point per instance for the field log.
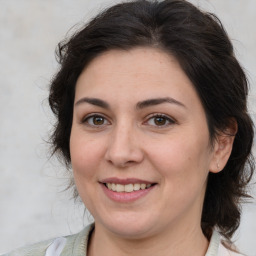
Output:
(173, 242)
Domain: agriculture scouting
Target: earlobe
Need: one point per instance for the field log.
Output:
(223, 148)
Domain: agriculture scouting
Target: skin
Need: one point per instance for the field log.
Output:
(128, 141)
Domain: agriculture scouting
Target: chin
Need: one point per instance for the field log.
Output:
(129, 227)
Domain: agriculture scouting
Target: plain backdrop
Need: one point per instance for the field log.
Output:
(33, 206)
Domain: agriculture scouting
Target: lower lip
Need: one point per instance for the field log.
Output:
(126, 197)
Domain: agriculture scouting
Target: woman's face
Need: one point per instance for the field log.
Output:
(139, 126)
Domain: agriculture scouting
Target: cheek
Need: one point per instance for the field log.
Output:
(181, 160)
(85, 159)
(85, 155)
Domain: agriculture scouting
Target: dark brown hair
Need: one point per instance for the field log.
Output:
(200, 44)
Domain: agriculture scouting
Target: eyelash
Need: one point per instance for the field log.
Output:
(92, 116)
(164, 117)
(151, 117)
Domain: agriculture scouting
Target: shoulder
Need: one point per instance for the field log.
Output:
(57, 246)
(37, 249)
(223, 251)
(217, 248)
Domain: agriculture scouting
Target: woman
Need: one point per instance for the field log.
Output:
(152, 118)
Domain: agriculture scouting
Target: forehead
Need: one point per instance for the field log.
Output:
(139, 72)
(137, 62)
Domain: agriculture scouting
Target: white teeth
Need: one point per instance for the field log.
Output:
(142, 186)
(136, 187)
(113, 187)
(119, 188)
(127, 188)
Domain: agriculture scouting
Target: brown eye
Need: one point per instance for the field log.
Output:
(95, 120)
(98, 120)
(159, 121)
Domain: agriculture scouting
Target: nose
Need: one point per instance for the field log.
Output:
(124, 147)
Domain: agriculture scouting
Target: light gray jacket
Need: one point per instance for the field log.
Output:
(76, 245)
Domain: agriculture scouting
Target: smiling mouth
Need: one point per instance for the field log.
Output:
(128, 188)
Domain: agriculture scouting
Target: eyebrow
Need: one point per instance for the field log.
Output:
(139, 105)
(93, 101)
(157, 101)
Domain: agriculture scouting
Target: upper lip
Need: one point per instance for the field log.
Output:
(125, 181)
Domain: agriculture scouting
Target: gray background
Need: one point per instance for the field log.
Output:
(32, 204)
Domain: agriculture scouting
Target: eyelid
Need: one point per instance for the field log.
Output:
(91, 115)
(170, 120)
(167, 117)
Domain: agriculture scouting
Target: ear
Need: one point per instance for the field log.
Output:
(223, 147)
